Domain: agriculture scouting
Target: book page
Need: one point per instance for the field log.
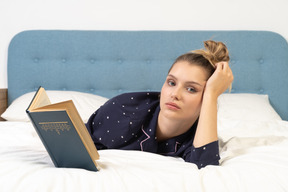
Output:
(82, 130)
(40, 99)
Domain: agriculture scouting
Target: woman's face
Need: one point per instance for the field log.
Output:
(181, 94)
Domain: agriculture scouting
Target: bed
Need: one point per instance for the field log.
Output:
(90, 67)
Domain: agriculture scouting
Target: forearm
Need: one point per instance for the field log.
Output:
(207, 125)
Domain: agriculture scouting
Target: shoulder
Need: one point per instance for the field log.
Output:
(134, 99)
(137, 96)
(127, 103)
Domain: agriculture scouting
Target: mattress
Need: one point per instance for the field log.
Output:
(254, 156)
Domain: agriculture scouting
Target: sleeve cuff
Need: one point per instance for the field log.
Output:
(205, 155)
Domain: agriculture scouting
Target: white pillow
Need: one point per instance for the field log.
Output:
(85, 103)
(244, 106)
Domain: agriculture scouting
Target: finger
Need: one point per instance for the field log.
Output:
(219, 66)
(225, 66)
(222, 65)
(227, 69)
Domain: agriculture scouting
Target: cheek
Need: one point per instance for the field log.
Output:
(164, 92)
(162, 96)
(193, 105)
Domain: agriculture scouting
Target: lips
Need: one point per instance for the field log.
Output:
(172, 106)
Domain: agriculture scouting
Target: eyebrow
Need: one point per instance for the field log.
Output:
(188, 82)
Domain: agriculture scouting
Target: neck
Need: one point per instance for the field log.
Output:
(169, 128)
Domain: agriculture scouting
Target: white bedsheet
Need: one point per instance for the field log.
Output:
(254, 158)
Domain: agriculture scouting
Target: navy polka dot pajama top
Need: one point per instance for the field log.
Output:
(129, 122)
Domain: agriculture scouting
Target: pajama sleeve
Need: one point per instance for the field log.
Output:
(203, 156)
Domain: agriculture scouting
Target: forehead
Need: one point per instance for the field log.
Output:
(188, 71)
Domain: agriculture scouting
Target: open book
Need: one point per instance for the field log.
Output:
(62, 132)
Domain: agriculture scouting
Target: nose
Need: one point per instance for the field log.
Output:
(176, 93)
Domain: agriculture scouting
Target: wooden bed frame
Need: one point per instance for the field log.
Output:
(3, 101)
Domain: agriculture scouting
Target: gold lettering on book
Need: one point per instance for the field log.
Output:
(55, 126)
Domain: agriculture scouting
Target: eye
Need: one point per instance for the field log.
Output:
(171, 83)
(191, 89)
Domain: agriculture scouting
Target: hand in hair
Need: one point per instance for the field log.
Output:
(220, 81)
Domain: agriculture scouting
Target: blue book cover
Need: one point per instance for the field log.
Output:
(63, 133)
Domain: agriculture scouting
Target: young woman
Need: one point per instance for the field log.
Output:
(180, 121)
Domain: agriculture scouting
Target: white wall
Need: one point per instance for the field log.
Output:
(19, 15)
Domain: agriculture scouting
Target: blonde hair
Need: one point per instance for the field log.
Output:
(213, 52)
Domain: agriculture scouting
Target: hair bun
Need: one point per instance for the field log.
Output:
(214, 52)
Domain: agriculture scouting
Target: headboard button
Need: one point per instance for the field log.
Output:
(36, 60)
(261, 61)
(261, 90)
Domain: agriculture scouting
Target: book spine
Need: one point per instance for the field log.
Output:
(43, 141)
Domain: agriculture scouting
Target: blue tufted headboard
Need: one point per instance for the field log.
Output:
(112, 62)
